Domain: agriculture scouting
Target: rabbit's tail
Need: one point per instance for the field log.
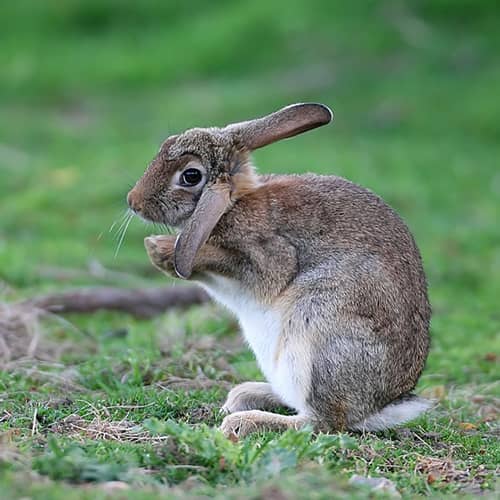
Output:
(405, 408)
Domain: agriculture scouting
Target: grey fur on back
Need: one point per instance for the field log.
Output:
(363, 295)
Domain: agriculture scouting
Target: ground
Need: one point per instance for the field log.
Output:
(107, 404)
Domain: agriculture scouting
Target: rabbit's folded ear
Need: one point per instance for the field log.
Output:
(286, 122)
(212, 204)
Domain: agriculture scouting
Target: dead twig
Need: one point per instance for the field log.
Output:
(140, 302)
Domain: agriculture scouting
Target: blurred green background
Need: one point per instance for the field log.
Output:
(89, 89)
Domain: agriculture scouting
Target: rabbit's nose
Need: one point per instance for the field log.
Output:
(134, 200)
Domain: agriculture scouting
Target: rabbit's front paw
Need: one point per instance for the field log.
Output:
(161, 252)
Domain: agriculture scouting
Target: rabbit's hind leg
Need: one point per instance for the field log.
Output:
(240, 424)
(251, 396)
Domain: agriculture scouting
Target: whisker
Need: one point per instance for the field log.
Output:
(120, 236)
(115, 222)
(120, 220)
(126, 216)
(124, 231)
(168, 229)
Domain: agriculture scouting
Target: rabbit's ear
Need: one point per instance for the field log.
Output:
(212, 204)
(286, 122)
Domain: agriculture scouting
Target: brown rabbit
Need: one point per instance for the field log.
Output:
(324, 277)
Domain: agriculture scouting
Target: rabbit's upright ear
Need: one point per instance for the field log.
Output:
(214, 201)
(286, 122)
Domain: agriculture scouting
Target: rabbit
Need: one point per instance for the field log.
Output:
(325, 278)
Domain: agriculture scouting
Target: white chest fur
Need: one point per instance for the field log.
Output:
(261, 327)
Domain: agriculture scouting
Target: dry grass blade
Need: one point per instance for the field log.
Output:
(21, 335)
(444, 470)
(10, 455)
(101, 427)
(25, 348)
(192, 384)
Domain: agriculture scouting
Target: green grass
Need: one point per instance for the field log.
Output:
(89, 89)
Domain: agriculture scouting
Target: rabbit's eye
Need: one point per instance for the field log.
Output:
(191, 177)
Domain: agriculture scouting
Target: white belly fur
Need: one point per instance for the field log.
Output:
(261, 327)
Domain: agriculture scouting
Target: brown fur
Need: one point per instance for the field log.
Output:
(338, 262)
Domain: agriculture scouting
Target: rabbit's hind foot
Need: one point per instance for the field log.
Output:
(251, 396)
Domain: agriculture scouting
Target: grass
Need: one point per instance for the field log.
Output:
(114, 405)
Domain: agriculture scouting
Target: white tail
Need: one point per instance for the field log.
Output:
(398, 412)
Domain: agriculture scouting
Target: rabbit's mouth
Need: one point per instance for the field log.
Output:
(170, 216)
(158, 222)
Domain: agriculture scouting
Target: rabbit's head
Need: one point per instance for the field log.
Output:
(197, 175)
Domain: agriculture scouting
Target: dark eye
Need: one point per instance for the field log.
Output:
(191, 177)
